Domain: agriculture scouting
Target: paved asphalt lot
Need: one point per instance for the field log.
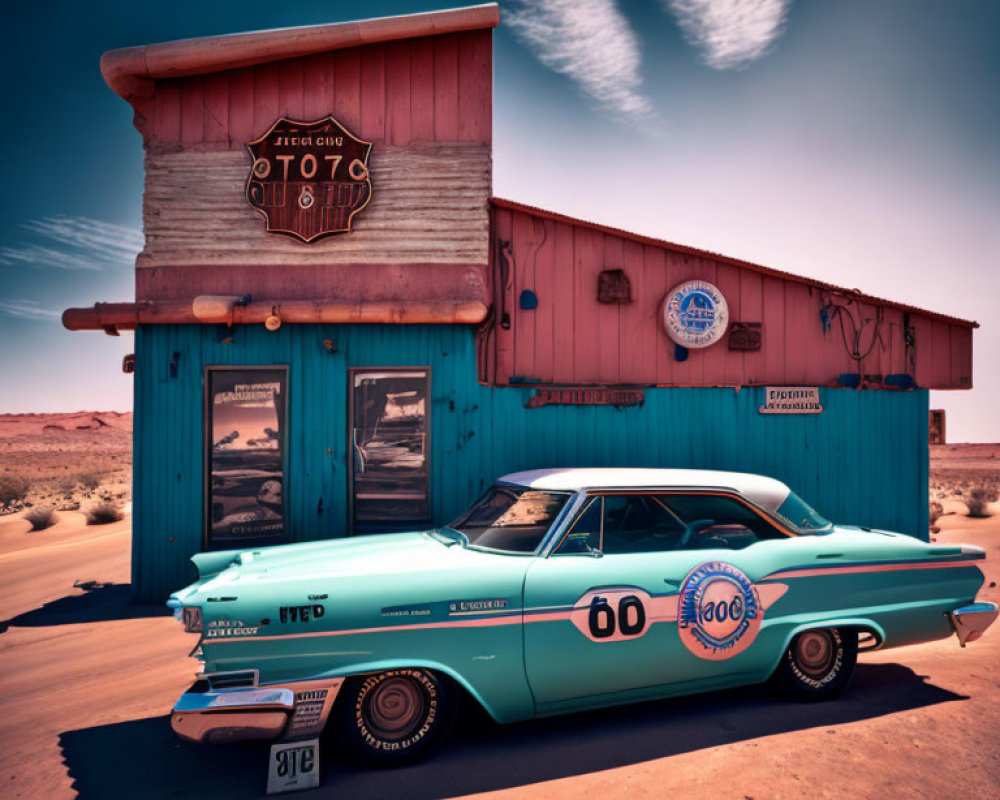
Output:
(87, 681)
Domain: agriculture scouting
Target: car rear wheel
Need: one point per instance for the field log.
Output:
(397, 716)
(818, 664)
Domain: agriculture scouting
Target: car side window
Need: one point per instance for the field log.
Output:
(621, 523)
(718, 521)
(638, 523)
(585, 534)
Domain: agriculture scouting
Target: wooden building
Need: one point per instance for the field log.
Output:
(340, 330)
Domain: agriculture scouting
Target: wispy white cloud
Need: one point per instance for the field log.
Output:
(28, 309)
(730, 33)
(589, 41)
(75, 243)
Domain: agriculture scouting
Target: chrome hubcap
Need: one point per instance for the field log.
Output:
(395, 709)
(815, 652)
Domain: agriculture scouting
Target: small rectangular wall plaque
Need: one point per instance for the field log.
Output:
(791, 400)
(744, 336)
(613, 286)
(293, 766)
(582, 396)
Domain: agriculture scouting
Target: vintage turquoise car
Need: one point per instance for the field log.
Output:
(559, 590)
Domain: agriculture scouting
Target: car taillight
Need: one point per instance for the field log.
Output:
(191, 615)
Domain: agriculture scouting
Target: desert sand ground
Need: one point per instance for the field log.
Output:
(88, 680)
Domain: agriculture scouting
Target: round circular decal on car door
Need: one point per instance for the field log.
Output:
(719, 611)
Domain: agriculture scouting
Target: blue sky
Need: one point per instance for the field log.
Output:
(853, 142)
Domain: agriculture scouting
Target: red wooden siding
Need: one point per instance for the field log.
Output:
(570, 338)
(430, 89)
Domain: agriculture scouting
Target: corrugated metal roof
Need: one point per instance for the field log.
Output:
(857, 294)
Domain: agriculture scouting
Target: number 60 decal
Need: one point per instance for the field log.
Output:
(612, 615)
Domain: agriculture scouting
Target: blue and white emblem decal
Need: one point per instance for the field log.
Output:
(719, 611)
(695, 314)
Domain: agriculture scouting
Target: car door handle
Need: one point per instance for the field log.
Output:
(830, 555)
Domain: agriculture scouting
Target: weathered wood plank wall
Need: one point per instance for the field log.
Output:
(570, 338)
(425, 103)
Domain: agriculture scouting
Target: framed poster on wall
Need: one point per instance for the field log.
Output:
(245, 437)
(390, 448)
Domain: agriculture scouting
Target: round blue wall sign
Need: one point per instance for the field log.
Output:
(695, 314)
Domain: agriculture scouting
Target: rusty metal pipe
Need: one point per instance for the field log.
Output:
(112, 317)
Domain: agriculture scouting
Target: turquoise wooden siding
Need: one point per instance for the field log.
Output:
(863, 460)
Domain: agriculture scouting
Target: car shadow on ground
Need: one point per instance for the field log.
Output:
(142, 758)
(100, 602)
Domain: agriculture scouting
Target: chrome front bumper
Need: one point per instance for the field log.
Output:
(232, 714)
(969, 622)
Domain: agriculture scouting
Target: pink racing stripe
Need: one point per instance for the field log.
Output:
(847, 568)
(551, 616)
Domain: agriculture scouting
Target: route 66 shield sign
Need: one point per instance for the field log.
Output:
(309, 179)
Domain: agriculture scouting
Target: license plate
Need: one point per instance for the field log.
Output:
(293, 766)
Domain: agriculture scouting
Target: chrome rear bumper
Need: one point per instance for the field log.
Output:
(233, 714)
(969, 622)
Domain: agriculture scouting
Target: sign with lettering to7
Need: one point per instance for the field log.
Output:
(309, 179)
(293, 766)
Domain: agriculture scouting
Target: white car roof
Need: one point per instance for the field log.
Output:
(767, 493)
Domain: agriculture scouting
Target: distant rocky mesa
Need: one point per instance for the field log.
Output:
(34, 424)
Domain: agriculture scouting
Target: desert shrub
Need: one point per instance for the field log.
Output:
(88, 480)
(978, 499)
(41, 517)
(13, 489)
(103, 513)
(936, 511)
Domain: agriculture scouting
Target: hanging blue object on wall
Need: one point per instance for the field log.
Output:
(849, 380)
(680, 352)
(900, 381)
(825, 319)
(528, 300)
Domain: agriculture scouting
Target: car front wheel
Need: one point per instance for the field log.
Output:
(397, 716)
(818, 664)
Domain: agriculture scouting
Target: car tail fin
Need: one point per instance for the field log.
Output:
(209, 564)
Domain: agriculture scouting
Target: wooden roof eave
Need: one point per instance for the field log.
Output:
(131, 71)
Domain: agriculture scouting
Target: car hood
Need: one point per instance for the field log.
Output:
(356, 557)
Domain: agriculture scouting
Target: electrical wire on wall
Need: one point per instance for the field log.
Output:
(487, 330)
(857, 344)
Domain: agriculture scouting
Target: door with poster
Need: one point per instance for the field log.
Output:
(390, 449)
(245, 437)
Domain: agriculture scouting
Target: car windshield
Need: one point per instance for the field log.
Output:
(511, 518)
(801, 515)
